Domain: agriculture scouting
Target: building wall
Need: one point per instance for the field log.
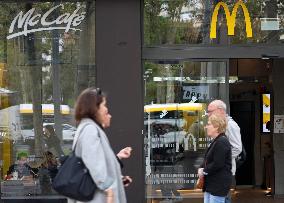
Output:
(278, 138)
(119, 73)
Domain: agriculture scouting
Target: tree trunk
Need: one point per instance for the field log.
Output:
(56, 80)
(87, 54)
(36, 76)
(170, 95)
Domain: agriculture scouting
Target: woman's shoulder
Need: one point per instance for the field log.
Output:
(88, 124)
(89, 127)
(223, 139)
(87, 121)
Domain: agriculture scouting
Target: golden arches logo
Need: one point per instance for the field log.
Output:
(231, 18)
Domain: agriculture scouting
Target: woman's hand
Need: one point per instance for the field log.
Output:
(124, 153)
(200, 172)
(109, 196)
(126, 180)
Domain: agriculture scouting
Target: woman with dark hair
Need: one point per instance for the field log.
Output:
(92, 145)
(216, 168)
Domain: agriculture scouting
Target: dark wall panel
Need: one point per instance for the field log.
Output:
(118, 59)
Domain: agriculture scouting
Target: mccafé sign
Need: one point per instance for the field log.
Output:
(231, 18)
(31, 22)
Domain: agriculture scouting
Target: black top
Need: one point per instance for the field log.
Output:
(217, 167)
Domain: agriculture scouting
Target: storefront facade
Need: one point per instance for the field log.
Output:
(161, 63)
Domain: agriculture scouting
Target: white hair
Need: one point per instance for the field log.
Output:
(219, 104)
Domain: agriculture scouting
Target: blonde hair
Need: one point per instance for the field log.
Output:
(219, 122)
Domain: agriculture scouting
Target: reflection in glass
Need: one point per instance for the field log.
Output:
(188, 22)
(46, 59)
(176, 98)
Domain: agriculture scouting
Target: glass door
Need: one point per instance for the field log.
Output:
(176, 95)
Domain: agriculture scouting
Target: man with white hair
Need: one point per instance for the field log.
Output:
(218, 107)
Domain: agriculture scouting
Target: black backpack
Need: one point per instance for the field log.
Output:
(241, 158)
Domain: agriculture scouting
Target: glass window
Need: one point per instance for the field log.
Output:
(46, 58)
(176, 98)
(189, 22)
(267, 23)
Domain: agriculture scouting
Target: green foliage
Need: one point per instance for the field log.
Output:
(14, 53)
(164, 23)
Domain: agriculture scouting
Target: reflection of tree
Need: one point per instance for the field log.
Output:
(170, 93)
(68, 58)
(270, 8)
(36, 78)
(258, 9)
(15, 52)
(85, 68)
(164, 21)
(153, 22)
(174, 9)
(206, 22)
(56, 78)
(30, 61)
(11, 52)
(163, 91)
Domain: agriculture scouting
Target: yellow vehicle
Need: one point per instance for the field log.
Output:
(172, 125)
(188, 112)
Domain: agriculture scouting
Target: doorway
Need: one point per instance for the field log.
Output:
(243, 113)
(250, 79)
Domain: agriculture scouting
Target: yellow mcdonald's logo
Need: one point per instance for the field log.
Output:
(231, 18)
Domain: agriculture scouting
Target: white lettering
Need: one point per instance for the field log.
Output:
(77, 21)
(27, 21)
(43, 19)
(70, 19)
(32, 21)
(21, 20)
(62, 19)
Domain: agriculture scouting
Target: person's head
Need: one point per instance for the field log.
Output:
(48, 155)
(217, 107)
(22, 158)
(91, 103)
(49, 130)
(48, 158)
(216, 125)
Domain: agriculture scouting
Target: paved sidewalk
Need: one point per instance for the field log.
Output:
(245, 195)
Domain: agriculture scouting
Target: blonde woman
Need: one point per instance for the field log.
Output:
(217, 164)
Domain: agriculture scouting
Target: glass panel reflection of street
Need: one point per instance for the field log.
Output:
(176, 98)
